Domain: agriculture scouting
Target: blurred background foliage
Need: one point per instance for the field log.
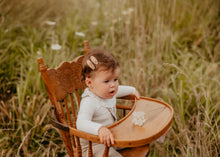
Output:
(169, 50)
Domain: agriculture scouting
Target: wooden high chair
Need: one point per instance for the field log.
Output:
(64, 87)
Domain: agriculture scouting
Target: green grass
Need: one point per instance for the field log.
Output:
(169, 50)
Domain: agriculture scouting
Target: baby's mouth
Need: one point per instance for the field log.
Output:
(112, 92)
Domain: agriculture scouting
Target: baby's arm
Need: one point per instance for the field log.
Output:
(85, 123)
(127, 90)
(84, 120)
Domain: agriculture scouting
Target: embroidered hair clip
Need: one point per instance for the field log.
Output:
(92, 62)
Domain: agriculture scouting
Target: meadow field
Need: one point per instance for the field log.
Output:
(167, 49)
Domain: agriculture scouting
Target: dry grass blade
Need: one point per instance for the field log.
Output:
(25, 138)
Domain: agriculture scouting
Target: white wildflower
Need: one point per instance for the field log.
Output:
(114, 21)
(124, 12)
(39, 53)
(80, 34)
(138, 118)
(127, 22)
(130, 10)
(50, 23)
(111, 28)
(97, 5)
(106, 13)
(94, 23)
(55, 47)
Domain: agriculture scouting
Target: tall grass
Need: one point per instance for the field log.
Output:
(168, 50)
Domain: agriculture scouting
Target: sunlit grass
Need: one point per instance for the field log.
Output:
(168, 50)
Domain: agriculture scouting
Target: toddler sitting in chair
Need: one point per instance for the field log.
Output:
(100, 72)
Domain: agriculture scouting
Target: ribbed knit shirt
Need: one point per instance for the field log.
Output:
(95, 112)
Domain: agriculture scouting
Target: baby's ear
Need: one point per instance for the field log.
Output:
(88, 82)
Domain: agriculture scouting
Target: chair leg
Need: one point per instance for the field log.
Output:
(147, 153)
(90, 153)
(106, 151)
(67, 144)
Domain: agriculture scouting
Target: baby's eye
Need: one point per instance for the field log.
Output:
(106, 81)
(115, 80)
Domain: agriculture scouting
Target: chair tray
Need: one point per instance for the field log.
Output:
(158, 117)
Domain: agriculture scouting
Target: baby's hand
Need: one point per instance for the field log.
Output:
(137, 94)
(105, 136)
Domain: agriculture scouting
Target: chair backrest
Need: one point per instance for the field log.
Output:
(64, 86)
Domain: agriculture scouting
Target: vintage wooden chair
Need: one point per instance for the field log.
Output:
(64, 87)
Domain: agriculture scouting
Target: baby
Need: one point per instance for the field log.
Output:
(100, 72)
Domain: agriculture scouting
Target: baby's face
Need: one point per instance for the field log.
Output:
(104, 83)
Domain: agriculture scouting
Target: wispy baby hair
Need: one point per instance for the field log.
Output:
(98, 59)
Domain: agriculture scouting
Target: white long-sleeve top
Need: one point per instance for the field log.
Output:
(95, 112)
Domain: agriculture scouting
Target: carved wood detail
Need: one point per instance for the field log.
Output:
(66, 78)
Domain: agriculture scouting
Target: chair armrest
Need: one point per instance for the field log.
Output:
(71, 130)
(55, 123)
(129, 97)
(123, 107)
(59, 125)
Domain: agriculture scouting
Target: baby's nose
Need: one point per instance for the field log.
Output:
(112, 84)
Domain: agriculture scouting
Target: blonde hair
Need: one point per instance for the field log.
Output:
(105, 61)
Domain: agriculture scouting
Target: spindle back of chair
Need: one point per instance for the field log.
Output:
(64, 87)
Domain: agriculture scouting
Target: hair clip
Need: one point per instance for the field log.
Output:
(90, 64)
(94, 60)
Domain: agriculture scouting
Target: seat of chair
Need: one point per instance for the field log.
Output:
(135, 152)
(158, 117)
